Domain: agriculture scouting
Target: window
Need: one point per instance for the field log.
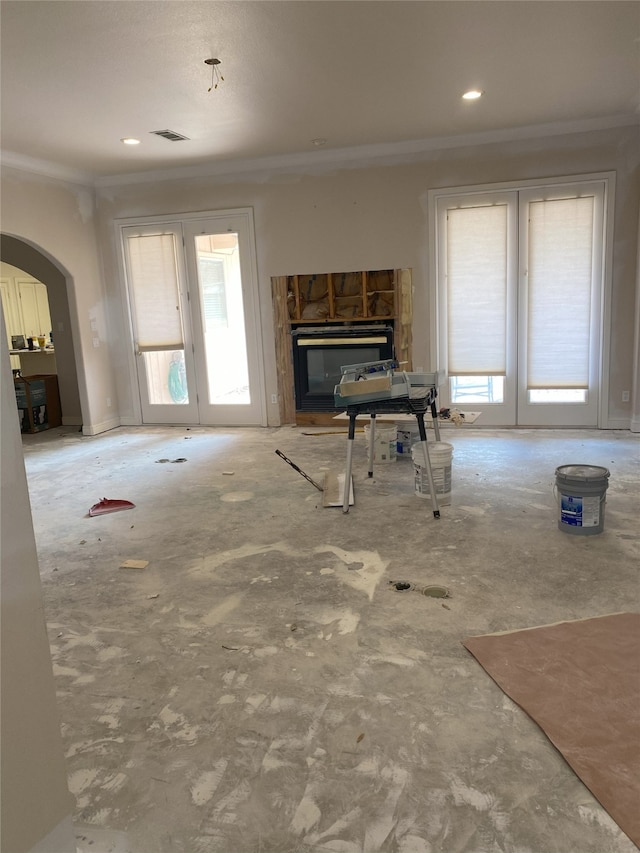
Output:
(153, 279)
(520, 277)
(212, 277)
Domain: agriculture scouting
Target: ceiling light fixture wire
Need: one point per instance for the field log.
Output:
(216, 77)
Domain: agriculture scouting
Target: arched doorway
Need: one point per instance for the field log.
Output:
(26, 257)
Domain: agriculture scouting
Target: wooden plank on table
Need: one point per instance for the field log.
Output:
(359, 388)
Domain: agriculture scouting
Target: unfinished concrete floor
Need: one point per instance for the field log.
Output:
(261, 686)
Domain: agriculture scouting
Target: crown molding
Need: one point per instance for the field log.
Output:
(316, 162)
(46, 168)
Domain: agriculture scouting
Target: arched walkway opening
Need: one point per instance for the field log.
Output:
(35, 263)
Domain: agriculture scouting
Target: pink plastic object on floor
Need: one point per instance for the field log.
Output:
(109, 505)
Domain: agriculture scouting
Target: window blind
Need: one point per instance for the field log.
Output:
(214, 296)
(560, 252)
(156, 300)
(477, 290)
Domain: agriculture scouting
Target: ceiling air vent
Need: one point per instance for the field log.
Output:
(171, 135)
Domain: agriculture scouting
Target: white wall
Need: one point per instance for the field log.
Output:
(36, 803)
(57, 218)
(361, 216)
(375, 217)
(635, 395)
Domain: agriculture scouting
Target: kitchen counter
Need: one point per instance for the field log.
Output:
(35, 361)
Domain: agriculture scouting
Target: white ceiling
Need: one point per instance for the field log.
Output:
(78, 75)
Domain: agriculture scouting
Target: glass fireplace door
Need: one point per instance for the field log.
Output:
(320, 353)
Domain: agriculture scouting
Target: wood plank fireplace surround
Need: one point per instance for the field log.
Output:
(357, 309)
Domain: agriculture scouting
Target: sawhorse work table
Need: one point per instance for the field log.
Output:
(416, 403)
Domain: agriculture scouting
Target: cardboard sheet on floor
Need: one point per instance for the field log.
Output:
(580, 682)
(333, 490)
(134, 564)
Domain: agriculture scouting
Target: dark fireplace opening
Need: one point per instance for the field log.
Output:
(320, 351)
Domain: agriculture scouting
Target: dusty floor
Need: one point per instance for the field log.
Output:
(261, 686)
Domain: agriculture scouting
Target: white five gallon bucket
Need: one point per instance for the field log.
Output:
(581, 492)
(407, 436)
(384, 443)
(440, 453)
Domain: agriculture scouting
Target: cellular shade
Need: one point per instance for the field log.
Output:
(560, 264)
(156, 299)
(477, 290)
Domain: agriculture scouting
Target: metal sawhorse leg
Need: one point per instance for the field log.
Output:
(423, 442)
(434, 418)
(347, 473)
(427, 462)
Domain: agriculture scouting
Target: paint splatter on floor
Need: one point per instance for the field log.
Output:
(276, 696)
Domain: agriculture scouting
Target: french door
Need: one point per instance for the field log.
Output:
(195, 320)
(520, 287)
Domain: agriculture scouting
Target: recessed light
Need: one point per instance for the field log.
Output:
(319, 141)
(129, 140)
(472, 95)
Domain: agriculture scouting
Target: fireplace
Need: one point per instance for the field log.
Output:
(320, 351)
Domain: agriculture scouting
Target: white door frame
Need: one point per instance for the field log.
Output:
(154, 413)
(437, 353)
(251, 273)
(241, 223)
(505, 413)
(551, 414)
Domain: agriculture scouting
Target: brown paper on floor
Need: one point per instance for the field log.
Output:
(134, 564)
(580, 682)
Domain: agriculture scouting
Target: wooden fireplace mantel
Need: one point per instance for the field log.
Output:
(336, 299)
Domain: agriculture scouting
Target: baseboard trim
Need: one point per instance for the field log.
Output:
(105, 426)
(618, 423)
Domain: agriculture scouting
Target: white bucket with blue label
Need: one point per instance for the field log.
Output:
(581, 492)
(408, 434)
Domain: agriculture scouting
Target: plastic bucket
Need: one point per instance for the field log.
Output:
(407, 436)
(385, 441)
(581, 496)
(440, 453)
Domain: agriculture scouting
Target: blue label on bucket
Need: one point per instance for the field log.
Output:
(571, 510)
(580, 511)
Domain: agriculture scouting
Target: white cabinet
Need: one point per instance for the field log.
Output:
(10, 308)
(11, 314)
(34, 308)
(25, 303)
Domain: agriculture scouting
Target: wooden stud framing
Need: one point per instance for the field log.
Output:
(284, 355)
(283, 286)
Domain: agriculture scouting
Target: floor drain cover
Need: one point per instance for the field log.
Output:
(436, 591)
